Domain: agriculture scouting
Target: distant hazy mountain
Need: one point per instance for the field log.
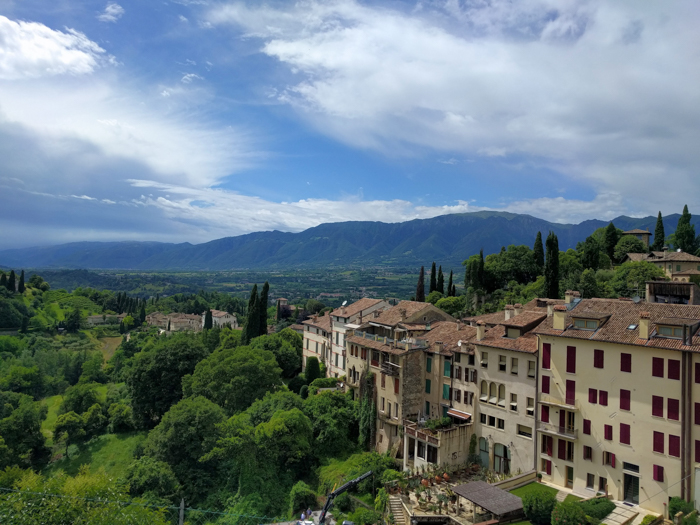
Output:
(448, 239)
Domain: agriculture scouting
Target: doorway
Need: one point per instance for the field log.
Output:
(569, 477)
(631, 489)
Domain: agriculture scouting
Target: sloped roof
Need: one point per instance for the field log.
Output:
(355, 308)
(393, 315)
(499, 317)
(220, 313)
(496, 338)
(490, 498)
(323, 322)
(636, 231)
(664, 257)
(449, 334)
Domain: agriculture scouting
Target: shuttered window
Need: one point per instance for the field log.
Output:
(674, 446)
(625, 400)
(674, 369)
(598, 358)
(697, 451)
(592, 395)
(624, 434)
(697, 413)
(659, 442)
(697, 372)
(570, 359)
(657, 406)
(562, 449)
(396, 385)
(545, 384)
(548, 468)
(658, 473)
(571, 392)
(673, 409)
(546, 356)
(657, 367)
(545, 414)
(603, 397)
(587, 426)
(625, 362)
(608, 432)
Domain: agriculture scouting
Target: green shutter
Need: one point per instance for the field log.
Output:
(448, 367)
(427, 386)
(446, 392)
(429, 364)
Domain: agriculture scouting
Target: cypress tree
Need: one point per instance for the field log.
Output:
(684, 236)
(659, 235)
(440, 281)
(449, 286)
(3, 280)
(481, 274)
(454, 290)
(610, 240)
(252, 322)
(420, 287)
(551, 269)
(11, 282)
(20, 286)
(262, 307)
(433, 281)
(538, 250)
(208, 320)
(142, 313)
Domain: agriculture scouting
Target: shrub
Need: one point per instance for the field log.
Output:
(304, 392)
(381, 501)
(538, 507)
(363, 516)
(325, 382)
(649, 518)
(597, 508)
(676, 505)
(296, 383)
(120, 418)
(343, 503)
(301, 497)
(568, 514)
(313, 370)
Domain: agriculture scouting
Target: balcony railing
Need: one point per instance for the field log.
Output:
(565, 431)
(390, 369)
(566, 402)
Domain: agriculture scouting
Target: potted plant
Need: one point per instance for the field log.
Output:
(425, 482)
(445, 476)
(428, 494)
(539, 477)
(442, 500)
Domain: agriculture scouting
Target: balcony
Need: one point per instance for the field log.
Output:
(434, 437)
(567, 403)
(566, 431)
(390, 369)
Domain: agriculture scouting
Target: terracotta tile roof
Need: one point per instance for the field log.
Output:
(664, 257)
(449, 334)
(636, 257)
(220, 313)
(622, 315)
(393, 315)
(687, 272)
(495, 338)
(297, 327)
(635, 232)
(379, 344)
(323, 322)
(525, 320)
(535, 305)
(355, 308)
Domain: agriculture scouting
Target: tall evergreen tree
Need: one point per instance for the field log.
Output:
(684, 237)
(433, 279)
(454, 290)
(3, 280)
(11, 282)
(142, 313)
(262, 307)
(20, 285)
(610, 240)
(440, 281)
(538, 250)
(208, 320)
(420, 287)
(659, 235)
(449, 286)
(252, 323)
(551, 269)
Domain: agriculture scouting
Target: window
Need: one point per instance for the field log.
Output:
(375, 358)
(674, 446)
(383, 380)
(624, 434)
(545, 384)
(447, 369)
(658, 473)
(307, 344)
(525, 431)
(427, 409)
(631, 467)
(483, 419)
(561, 446)
(502, 363)
(571, 392)
(657, 367)
(670, 331)
(602, 484)
(603, 398)
(484, 359)
(530, 406)
(697, 372)
(388, 409)
(484, 391)
(470, 360)
(457, 358)
(674, 369)
(396, 385)
(458, 372)
(697, 413)
(598, 358)
(427, 386)
(502, 396)
(585, 324)
(500, 424)
(514, 402)
(469, 397)
(493, 393)
(547, 466)
(514, 365)
(458, 396)
(446, 392)
(678, 267)
(587, 426)
(382, 404)
(697, 451)
(592, 395)
(570, 359)
(546, 356)
(544, 413)
(547, 445)
(625, 400)
(608, 432)
(673, 408)
(588, 453)
(590, 481)
(626, 363)
(657, 406)
(492, 421)
(472, 375)
(659, 442)
(531, 369)
(609, 459)
(421, 450)
(429, 364)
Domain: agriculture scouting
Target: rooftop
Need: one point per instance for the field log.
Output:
(496, 338)
(490, 498)
(323, 322)
(636, 231)
(401, 312)
(355, 308)
(449, 334)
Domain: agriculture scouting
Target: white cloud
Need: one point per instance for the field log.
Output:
(189, 77)
(32, 50)
(112, 13)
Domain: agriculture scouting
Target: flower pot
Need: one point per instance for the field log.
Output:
(425, 482)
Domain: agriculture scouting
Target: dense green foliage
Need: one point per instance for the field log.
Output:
(659, 235)
(538, 506)
(568, 513)
(597, 508)
(551, 270)
(420, 286)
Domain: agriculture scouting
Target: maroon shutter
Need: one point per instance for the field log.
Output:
(658, 473)
(598, 359)
(562, 449)
(548, 465)
(545, 384)
(396, 385)
(570, 392)
(674, 446)
(592, 395)
(587, 426)
(545, 413)
(657, 366)
(603, 398)
(624, 434)
(697, 413)
(659, 442)
(674, 369)
(697, 372)
(546, 356)
(550, 446)
(626, 362)
(625, 399)
(612, 460)
(673, 409)
(562, 419)
(657, 406)
(571, 359)
(608, 432)
(697, 451)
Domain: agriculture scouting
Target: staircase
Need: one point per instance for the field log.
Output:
(396, 508)
(561, 496)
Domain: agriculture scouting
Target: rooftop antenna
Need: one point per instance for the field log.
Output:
(344, 303)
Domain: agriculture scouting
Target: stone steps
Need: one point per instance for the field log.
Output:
(396, 508)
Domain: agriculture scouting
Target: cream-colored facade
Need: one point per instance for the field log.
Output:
(316, 341)
(220, 318)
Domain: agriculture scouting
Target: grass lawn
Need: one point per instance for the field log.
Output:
(521, 523)
(533, 487)
(47, 426)
(572, 499)
(113, 452)
(109, 345)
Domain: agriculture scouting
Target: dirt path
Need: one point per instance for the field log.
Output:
(109, 346)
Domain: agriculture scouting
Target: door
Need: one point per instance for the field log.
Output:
(569, 477)
(631, 489)
(484, 452)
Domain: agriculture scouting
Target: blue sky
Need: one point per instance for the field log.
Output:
(189, 120)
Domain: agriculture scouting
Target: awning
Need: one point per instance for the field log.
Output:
(459, 414)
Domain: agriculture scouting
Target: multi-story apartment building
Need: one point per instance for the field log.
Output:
(342, 319)
(317, 339)
(677, 265)
(618, 410)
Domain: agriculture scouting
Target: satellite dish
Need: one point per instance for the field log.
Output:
(459, 343)
(636, 299)
(344, 303)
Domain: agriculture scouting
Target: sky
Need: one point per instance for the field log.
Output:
(191, 120)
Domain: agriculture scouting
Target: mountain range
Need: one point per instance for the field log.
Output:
(447, 239)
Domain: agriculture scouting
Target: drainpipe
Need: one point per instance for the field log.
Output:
(689, 427)
(685, 389)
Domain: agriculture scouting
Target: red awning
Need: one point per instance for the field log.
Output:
(459, 414)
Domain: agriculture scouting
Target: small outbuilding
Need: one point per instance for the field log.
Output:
(498, 505)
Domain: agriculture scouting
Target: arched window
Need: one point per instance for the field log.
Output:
(493, 393)
(502, 395)
(484, 391)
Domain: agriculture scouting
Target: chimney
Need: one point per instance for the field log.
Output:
(480, 330)
(550, 308)
(438, 346)
(509, 311)
(644, 318)
(568, 296)
(376, 314)
(402, 311)
(577, 295)
(559, 322)
(459, 324)
(518, 309)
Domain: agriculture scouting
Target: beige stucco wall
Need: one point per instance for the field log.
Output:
(315, 344)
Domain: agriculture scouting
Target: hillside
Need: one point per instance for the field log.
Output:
(448, 238)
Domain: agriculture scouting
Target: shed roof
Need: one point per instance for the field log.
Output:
(493, 499)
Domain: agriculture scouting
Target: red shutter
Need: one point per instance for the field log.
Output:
(598, 359)
(657, 366)
(562, 419)
(673, 409)
(612, 460)
(550, 445)
(697, 372)
(625, 399)
(396, 385)
(624, 434)
(608, 432)
(603, 398)
(674, 369)
(697, 413)
(592, 395)
(587, 426)
(562, 449)
(571, 359)
(545, 384)
(697, 451)
(659, 442)
(571, 392)
(545, 413)
(674, 446)
(658, 473)
(657, 406)
(546, 356)
(626, 363)
(548, 465)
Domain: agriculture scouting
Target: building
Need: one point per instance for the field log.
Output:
(220, 318)
(672, 292)
(342, 319)
(96, 320)
(642, 235)
(674, 264)
(317, 339)
(617, 408)
(157, 319)
(180, 322)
